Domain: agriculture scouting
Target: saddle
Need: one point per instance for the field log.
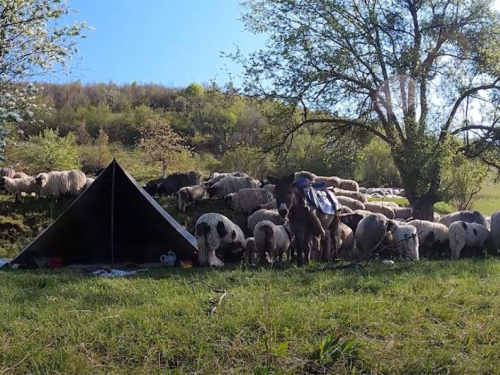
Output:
(318, 196)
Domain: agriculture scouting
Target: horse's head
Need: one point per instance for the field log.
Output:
(284, 193)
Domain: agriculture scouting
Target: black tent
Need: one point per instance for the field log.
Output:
(114, 221)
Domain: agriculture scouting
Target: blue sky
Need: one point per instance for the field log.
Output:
(172, 42)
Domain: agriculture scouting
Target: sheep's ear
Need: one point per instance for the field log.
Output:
(272, 179)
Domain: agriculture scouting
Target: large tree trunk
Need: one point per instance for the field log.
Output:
(423, 208)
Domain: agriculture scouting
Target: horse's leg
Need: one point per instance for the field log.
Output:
(300, 239)
(326, 247)
(308, 243)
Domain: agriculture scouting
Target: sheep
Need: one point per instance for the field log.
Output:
(250, 251)
(433, 238)
(405, 240)
(388, 204)
(371, 232)
(352, 220)
(20, 175)
(270, 206)
(18, 186)
(348, 185)
(436, 217)
(89, 182)
(379, 209)
(7, 172)
(346, 250)
(495, 230)
(466, 216)
(190, 195)
(248, 200)
(216, 177)
(171, 185)
(473, 237)
(332, 182)
(232, 184)
(351, 194)
(269, 187)
(346, 210)
(402, 212)
(353, 204)
(304, 174)
(152, 187)
(57, 184)
(271, 240)
(261, 215)
(217, 237)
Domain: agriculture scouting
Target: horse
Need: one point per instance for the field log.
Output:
(306, 221)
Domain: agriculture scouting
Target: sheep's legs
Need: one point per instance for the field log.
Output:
(213, 260)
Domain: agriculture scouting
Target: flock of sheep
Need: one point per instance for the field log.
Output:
(365, 229)
(53, 184)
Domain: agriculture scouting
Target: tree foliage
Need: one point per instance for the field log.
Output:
(402, 70)
(161, 144)
(31, 43)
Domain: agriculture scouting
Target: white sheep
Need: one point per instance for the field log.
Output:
(466, 216)
(19, 186)
(270, 206)
(57, 184)
(263, 214)
(20, 175)
(332, 182)
(379, 209)
(353, 204)
(433, 238)
(89, 182)
(250, 250)
(190, 195)
(471, 236)
(402, 213)
(230, 184)
(216, 177)
(269, 187)
(405, 240)
(271, 240)
(372, 232)
(248, 200)
(305, 174)
(7, 172)
(217, 237)
(351, 194)
(346, 250)
(348, 185)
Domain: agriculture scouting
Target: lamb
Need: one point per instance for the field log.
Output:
(380, 209)
(7, 172)
(405, 240)
(353, 204)
(263, 214)
(495, 230)
(271, 240)
(248, 200)
(57, 184)
(371, 233)
(218, 239)
(473, 237)
(190, 195)
(20, 175)
(18, 186)
(250, 255)
(175, 181)
(433, 238)
(216, 177)
(346, 250)
(348, 185)
(232, 184)
(466, 216)
(351, 194)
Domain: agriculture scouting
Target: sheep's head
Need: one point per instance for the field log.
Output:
(41, 179)
(3, 180)
(211, 190)
(228, 200)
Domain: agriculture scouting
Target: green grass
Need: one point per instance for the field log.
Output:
(488, 199)
(432, 317)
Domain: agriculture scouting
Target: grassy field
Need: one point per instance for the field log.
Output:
(428, 318)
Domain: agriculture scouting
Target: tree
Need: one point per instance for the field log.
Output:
(31, 44)
(403, 70)
(49, 152)
(161, 144)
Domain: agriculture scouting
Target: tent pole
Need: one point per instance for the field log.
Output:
(113, 215)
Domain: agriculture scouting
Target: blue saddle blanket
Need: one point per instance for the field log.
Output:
(319, 196)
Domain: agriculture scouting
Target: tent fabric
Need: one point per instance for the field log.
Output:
(113, 221)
